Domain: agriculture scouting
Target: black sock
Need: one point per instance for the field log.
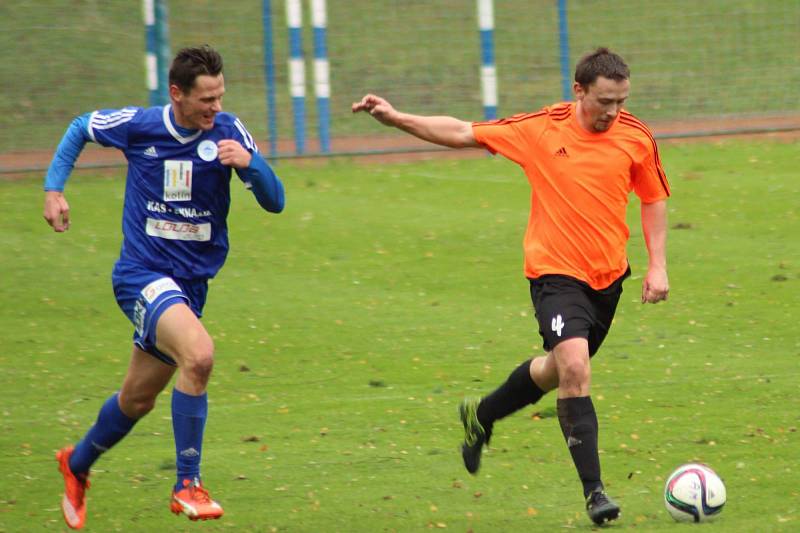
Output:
(518, 391)
(579, 426)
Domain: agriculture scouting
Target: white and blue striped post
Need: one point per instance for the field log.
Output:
(322, 86)
(297, 72)
(269, 74)
(157, 50)
(488, 70)
(563, 47)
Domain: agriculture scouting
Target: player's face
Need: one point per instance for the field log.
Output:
(197, 108)
(600, 103)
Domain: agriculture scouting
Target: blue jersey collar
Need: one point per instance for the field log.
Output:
(175, 130)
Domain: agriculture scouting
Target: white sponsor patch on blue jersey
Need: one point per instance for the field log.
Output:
(177, 181)
(178, 231)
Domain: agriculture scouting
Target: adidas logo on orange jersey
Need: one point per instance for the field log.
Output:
(561, 152)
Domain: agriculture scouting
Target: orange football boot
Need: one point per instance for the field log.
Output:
(194, 501)
(73, 505)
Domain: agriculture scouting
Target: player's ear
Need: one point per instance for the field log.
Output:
(175, 93)
(578, 91)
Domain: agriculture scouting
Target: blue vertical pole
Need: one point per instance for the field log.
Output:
(297, 72)
(269, 74)
(563, 47)
(322, 86)
(157, 55)
(488, 70)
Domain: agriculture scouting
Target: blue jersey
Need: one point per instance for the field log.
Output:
(177, 193)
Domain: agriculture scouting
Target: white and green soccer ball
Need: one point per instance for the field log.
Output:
(694, 493)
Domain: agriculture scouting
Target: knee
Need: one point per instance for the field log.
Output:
(574, 372)
(199, 361)
(136, 406)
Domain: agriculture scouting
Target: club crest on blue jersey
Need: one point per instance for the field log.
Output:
(207, 150)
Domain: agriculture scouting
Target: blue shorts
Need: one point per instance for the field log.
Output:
(144, 294)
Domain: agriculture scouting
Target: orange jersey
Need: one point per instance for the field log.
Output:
(580, 182)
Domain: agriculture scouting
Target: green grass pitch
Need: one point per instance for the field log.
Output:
(349, 327)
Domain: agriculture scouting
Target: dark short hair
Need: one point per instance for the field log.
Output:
(602, 62)
(192, 62)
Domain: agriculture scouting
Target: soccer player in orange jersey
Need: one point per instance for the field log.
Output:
(582, 159)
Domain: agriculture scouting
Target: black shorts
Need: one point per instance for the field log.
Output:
(566, 308)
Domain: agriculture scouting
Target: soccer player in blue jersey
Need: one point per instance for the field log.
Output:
(177, 197)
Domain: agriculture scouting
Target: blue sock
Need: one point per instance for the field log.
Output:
(188, 421)
(111, 426)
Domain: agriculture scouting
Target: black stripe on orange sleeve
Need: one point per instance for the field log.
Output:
(633, 118)
(509, 120)
(644, 129)
(630, 120)
(561, 112)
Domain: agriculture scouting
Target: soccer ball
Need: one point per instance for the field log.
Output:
(694, 493)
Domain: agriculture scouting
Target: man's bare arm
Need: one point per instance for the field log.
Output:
(442, 130)
(655, 286)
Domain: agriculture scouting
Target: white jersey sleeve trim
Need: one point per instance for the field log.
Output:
(89, 129)
(99, 121)
(248, 139)
(122, 115)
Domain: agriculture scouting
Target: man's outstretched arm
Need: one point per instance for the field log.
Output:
(442, 130)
